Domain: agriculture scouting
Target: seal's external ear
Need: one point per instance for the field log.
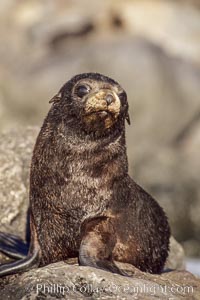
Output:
(128, 119)
(56, 98)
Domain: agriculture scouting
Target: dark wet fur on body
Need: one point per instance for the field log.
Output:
(82, 201)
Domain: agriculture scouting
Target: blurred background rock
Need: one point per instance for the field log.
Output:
(152, 48)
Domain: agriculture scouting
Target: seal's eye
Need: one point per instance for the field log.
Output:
(82, 90)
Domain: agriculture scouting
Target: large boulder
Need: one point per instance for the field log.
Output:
(62, 281)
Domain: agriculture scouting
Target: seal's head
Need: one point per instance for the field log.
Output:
(97, 102)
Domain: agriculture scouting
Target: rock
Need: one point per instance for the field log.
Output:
(15, 157)
(176, 258)
(62, 281)
(160, 23)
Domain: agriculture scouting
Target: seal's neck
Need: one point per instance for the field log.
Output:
(112, 143)
(68, 144)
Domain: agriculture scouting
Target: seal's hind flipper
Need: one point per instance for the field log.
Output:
(22, 265)
(13, 246)
(31, 261)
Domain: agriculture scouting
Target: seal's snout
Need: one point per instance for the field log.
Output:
(102, 109)
(103, 100)
(109, 99)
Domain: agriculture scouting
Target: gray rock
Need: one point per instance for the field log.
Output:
(62, 281)
(15, 157)
(176, 258)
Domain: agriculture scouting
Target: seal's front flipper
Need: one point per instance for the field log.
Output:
(13, 246)
(107, 265)
(97, 243)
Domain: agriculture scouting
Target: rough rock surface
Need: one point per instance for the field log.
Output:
(176, 258)
(62, 281)
(15, 157)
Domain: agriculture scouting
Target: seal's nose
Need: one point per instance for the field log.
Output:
(109, 98)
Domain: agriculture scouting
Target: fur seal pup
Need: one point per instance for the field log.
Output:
(82, 201)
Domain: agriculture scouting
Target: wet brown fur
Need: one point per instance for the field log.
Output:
(82, 201)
